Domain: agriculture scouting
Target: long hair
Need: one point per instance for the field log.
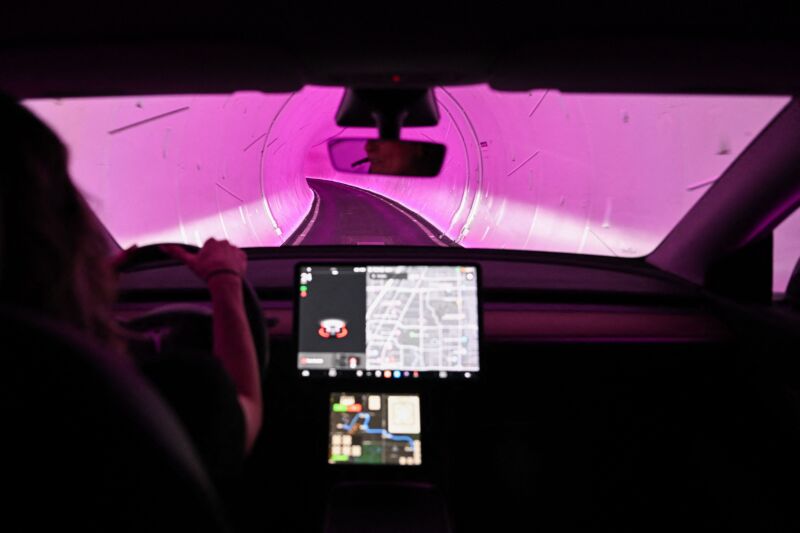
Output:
(53, 254)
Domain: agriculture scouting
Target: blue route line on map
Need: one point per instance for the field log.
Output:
(365, 427)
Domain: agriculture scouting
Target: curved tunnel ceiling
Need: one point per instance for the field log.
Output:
(539, 170)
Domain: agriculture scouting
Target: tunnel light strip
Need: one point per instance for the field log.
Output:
(473, 211)
(300, 238)
(457, 213)
(264, 200)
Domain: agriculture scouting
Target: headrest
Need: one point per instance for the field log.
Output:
(88, 443)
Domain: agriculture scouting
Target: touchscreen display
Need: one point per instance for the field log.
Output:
(375, 429)
(388, 322)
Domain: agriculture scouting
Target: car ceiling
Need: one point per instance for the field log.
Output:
(69, 49)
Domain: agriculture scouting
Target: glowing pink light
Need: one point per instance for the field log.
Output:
(596, 174)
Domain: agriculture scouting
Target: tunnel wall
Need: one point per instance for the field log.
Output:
(596, 174)
(444, 201)
(593, 174)
(180, 168)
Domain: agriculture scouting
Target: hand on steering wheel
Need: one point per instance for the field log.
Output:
(215, 257)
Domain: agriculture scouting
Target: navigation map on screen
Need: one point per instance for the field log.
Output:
(375, 429)
(388, 321)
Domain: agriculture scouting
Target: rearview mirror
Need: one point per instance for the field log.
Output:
(388, 157)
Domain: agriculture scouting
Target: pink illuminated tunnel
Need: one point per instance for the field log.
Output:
(540, 170)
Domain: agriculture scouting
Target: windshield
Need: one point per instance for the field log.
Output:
(599, 174)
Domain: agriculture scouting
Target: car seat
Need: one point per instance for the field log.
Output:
(87, 444)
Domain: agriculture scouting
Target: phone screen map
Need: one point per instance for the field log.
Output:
(375, 429)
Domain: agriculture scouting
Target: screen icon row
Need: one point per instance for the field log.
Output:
(385, 374)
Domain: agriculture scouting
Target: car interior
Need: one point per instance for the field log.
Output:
(505, 271)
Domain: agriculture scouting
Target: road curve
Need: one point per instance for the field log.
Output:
(346, 215)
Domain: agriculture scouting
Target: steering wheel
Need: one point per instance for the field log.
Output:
(191, 323)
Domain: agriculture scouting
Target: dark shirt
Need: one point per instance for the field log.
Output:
(199, 390)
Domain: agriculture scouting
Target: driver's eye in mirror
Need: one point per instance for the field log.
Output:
(389, 157)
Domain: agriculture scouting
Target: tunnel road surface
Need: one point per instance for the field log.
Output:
(346, 215)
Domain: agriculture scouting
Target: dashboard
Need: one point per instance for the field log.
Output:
(523, 296)
(469, 370)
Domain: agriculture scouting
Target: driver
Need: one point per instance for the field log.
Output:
(394, 158)
(55, 262)
(401, 158)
